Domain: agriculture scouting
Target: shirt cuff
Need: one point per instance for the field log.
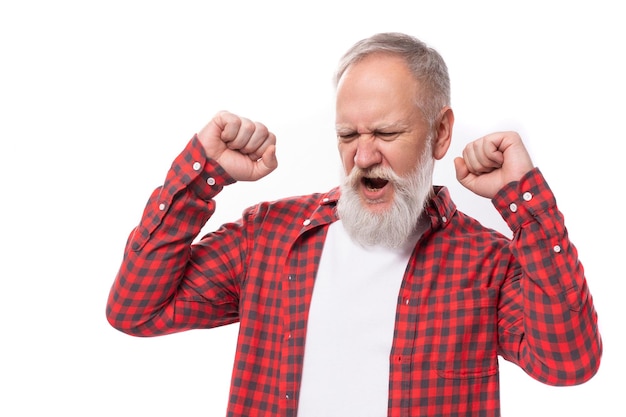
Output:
(192, 171)
(210, 177)
(520, 202)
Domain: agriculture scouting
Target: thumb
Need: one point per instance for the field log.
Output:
(461, 169)
(268, 161)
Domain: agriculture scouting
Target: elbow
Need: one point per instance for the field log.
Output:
(573, 371)
(120, 324)
(126, 315)
(587, 366)
(578, 375)
(123, 320)
(591, 365)
(136, 321)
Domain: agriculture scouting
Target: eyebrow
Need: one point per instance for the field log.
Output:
(396, 126)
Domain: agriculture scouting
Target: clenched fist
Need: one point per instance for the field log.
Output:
(245, 149)
(491, 162)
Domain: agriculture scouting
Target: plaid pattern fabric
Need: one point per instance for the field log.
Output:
(469, 293)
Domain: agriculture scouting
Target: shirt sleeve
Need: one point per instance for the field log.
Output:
(548, 324)
(155, 289)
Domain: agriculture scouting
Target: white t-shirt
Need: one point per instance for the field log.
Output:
(350, 328)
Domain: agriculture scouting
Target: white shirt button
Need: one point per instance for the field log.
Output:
(306, 222)
(162, 206)
(326, 200)
(513, 207)
(556, 248)
(527, 196)
(197, 166)
(444, 219)
(210, 181)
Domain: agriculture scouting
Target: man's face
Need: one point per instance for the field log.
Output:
(379, 124)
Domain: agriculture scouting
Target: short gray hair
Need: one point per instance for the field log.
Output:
(426, 64)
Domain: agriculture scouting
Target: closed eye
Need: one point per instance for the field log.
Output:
(387, 135)
(347, 136)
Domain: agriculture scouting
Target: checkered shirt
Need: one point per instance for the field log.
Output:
(469, 293)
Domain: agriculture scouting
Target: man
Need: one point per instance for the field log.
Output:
(378, 297)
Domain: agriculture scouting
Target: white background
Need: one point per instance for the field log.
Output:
(97, 98)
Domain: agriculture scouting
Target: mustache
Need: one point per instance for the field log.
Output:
(385, 173)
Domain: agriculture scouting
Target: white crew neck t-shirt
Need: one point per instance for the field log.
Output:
(350, 327)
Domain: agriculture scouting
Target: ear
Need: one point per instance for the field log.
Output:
(443, 133)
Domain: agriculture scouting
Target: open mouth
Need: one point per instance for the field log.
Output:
(374, 183)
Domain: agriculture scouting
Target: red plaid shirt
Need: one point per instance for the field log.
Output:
(469, 293)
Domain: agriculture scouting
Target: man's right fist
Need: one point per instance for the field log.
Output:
(245, 149)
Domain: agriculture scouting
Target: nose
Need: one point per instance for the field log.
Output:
(367, 153)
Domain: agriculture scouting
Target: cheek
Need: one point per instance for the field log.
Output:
(403, 160)
(347, 154)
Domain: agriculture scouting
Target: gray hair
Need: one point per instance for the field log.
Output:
(428, 67)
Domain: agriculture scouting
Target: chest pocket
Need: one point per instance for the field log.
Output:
(465, 340)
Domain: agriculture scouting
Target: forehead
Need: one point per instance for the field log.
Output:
(378, 90)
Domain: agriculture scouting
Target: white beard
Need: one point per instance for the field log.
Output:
(393, 227)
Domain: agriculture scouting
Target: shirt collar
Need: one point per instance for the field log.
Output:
(440, 208)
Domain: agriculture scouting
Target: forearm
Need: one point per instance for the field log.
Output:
(556, 338)
(147, 290)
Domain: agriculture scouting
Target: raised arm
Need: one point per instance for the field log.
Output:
(552, 333)
(165, 283)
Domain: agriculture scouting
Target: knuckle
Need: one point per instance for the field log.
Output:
(261, 129)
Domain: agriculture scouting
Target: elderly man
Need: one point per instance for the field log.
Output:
(378, 297)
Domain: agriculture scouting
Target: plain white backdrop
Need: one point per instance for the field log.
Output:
(97, 98)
